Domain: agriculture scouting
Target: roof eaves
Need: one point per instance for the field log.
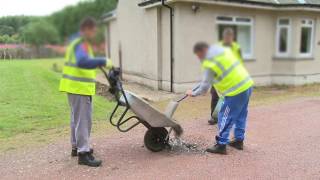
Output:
(276, 3)
(147, 3)
(111, 15)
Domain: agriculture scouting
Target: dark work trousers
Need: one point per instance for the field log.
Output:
(214, 100)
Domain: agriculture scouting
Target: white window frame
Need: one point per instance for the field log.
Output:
(237, 23)
(289, 28)
(310, 54)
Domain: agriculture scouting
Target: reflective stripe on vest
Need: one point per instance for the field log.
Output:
(237, 86)
(223, 71)
(70, 64)
(77, 80)
(233, 78)
(228, 71)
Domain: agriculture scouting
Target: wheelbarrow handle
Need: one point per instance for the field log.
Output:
(104, 72)
(118, 85)
(184, 97)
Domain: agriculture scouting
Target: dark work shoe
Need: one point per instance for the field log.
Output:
(236, 144)
(212, 121)
(86, 159)
(74, 152)
(217, 149)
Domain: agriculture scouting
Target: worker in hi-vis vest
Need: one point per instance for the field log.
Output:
(79, 82)
(228, 76)
(227, 41)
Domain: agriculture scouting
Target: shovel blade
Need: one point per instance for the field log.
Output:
(171, 108)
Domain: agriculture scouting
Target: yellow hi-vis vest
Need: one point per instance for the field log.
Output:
(76, 80)
(231, 78)
(235, 48)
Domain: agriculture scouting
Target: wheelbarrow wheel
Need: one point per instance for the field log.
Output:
(155, 139)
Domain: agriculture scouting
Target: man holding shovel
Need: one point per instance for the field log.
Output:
(78, 81)
(229, 77)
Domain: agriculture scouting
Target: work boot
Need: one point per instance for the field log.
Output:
(236, 144)
(217, 149)
(85, 158)
(74, 152)
(212, 121)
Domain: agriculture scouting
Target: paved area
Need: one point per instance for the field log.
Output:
(282, 143)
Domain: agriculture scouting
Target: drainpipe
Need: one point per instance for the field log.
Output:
(171, 42)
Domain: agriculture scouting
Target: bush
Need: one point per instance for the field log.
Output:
(39, 33)
(4, 39)
(8, 30)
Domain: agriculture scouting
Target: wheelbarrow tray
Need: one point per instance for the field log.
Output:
(146, 112)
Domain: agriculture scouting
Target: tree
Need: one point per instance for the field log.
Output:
(63, 23)
(39, 33)
(6, 30)
(16, 22)
(100, 36)
(67, 20)
(5, 39)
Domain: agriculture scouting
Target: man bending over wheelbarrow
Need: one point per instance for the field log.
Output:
(229, 77)
(78, 81)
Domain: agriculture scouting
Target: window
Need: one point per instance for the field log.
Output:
(306, 40)
(283, 37)
(242, 27)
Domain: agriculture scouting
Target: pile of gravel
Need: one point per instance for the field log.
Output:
(178, 145)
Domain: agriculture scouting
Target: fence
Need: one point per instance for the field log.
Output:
(8, 52)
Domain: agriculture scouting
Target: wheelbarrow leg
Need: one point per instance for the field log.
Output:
(168, 136)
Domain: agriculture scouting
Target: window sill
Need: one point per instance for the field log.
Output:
(249, 60)
(277, 58)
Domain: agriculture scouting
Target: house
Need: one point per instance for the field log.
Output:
(280, 39)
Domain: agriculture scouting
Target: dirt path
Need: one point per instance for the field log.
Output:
(282, 143)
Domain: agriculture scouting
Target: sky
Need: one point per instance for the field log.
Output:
(33, 7)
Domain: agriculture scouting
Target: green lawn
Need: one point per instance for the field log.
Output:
(30, 101)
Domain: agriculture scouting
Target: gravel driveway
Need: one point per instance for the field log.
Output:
(283, 142)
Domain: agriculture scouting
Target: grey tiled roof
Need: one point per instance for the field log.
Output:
(313, 1)
(292, 1)
(289, 2)
(281, 2)
(261, 2)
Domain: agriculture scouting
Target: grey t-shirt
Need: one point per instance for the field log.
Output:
(208, 74)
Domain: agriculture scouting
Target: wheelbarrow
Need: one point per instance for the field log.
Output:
(157, 123)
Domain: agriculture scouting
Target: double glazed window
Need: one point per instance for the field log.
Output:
(243, 32)
(283, 37)
(306, 37)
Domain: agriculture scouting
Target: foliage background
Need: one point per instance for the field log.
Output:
(60, 25)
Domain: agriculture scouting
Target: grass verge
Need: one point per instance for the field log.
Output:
(32, 110)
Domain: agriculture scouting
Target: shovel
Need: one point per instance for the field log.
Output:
(172, 107)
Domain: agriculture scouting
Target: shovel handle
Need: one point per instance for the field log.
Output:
(184, 97)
